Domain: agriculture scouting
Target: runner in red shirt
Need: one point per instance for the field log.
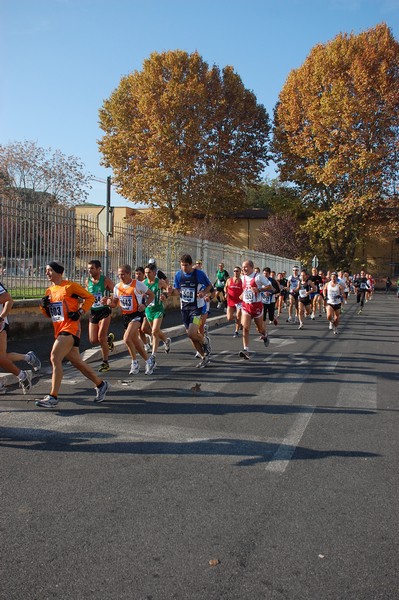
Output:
(233, 291)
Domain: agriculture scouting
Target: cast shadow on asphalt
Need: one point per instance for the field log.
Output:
(186, 404)
(252, 452)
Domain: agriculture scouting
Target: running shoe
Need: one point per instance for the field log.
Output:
(110, 341)
(167, 344)
(26, 382)
(312, 316)
(235, 334)
(134, 367)
(104, 367)
(359, 312)
(150, 365)
(148, 344)
(33, 361)
(203, 362)
(296, 320)
(47, 402)
(244, 354)
(101, 392)
(198, 355)
(275, 322)
(266, 340)
(207, 346)
(219, 305)
(300, 326)
(289, 320)
(335, 330)
(3, 389)
(331, 326)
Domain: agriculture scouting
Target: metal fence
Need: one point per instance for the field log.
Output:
(32, 235)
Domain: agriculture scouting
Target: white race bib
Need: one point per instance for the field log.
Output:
(187, 295)
(126, 302)
(248, 296)
(56, 311)
(97, 300)
(266, 297)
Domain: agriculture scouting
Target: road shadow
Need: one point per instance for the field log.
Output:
(249, 452)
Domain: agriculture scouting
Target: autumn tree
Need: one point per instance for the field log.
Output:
(336, 137)
(44, 176)
(184, 138)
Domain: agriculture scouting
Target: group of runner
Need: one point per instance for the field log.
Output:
(248, 295)
(303, 296)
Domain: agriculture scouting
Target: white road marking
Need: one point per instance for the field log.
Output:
(283, 455)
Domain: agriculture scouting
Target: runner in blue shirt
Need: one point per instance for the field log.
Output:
(192, 285)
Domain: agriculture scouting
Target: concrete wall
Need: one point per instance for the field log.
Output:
(26, 315)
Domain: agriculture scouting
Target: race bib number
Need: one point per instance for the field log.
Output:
(248, 296)
(265, 297)
(126, 302)
(187, 295)
(56, 312)
(363, 286)
(97, 300)
(302, 293)
(334, 298)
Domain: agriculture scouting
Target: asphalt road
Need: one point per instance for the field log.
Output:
(275, 478)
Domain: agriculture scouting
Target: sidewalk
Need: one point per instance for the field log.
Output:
(41, 343)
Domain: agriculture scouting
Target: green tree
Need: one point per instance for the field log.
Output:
(277, 197)
(336, 137)
(29, 172)
(184, 138)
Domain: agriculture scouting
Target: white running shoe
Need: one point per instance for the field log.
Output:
(101, 392)
(335, 330)
(26, 382)
(167, 344)
(47, 402)
(300, 326)
(331, 326)
(312, 316)
(203, 362)
(134, 367)
(150, 365)
(33, 361)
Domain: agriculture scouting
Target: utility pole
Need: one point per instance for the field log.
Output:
(107, 226)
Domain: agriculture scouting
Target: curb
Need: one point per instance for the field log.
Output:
(93, 354)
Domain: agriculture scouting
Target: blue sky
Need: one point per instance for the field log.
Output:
(62, 58)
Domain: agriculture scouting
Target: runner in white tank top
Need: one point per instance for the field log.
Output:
(333, 292)
(252, 307)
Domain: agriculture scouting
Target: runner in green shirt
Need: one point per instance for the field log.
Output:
(155, 311)
(100, 315)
